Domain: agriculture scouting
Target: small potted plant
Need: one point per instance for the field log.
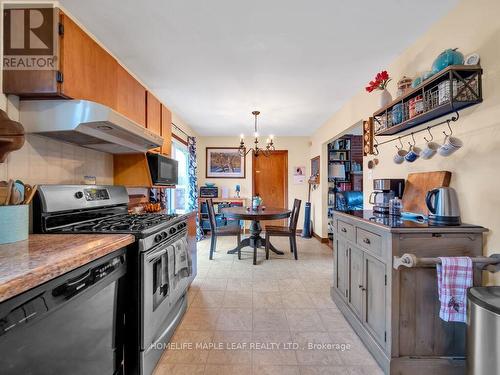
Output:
(380, 83)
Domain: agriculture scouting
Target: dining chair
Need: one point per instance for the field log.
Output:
(290, 231)
(220, 231)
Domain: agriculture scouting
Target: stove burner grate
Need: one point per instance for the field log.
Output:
(121, 223)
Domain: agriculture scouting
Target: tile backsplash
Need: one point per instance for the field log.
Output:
(48, 161)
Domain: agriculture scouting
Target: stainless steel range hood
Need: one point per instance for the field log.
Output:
(86, 124)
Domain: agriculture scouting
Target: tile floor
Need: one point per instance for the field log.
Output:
(264, 319)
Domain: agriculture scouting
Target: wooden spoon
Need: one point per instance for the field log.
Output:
(9, 192)
(29, 193)
(3, 192)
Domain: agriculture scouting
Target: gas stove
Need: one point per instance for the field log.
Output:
(96, 209)
(160, 263)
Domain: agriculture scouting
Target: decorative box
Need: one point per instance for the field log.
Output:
(416, 106)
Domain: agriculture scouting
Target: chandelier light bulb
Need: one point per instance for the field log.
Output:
(256, 149)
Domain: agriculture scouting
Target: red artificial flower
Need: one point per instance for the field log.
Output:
(379, 82)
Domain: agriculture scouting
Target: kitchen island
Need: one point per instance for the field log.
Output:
(396, 312)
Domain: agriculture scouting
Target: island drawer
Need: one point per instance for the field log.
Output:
(369, 241)
(346, 230)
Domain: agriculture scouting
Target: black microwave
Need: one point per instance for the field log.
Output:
(163, 170)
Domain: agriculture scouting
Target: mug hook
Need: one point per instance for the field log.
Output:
(432, 137)
(449, 127)
(401, 143)
(413, 138)
(375, 147)
(414, 142)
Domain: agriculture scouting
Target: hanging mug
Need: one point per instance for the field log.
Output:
(450, 145)
(413, 154)
(400, 156)
(429, 150)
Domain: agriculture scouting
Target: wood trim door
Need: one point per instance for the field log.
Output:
(166, 130)
(89, 72)
(153, 113)
(130, 97)
(270, 181)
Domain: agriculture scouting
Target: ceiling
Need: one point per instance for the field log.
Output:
(297, 61)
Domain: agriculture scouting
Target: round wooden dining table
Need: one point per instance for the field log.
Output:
(255, 216)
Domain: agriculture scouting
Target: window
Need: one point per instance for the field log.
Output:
(178, 197)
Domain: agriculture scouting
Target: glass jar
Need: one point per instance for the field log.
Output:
(395, 206)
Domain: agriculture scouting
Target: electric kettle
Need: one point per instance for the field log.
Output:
(443, 206)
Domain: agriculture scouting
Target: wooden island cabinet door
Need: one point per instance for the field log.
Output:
(88, 71)
(130, 97)
(375, 298)
(166, 130)
(355, 299)
(341, 270)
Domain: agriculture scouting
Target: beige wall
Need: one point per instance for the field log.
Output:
(473, 27)
(297, 155)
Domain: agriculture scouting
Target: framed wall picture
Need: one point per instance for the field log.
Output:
(224, 162)
(315, 169)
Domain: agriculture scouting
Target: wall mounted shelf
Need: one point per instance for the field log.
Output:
(452, 89)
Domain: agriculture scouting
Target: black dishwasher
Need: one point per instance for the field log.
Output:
(70, 325)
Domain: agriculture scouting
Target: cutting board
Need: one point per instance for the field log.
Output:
(418, 184)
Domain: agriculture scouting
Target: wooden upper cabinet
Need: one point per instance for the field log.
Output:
(85, 70)
(88, 71)
(166, 130)
(32, 83)
(153, 113)
(130, 97)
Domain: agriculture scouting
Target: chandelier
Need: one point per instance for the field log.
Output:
(256, 150)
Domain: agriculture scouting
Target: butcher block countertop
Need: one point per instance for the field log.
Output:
(43, 257)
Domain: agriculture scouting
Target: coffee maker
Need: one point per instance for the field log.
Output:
(385, 189)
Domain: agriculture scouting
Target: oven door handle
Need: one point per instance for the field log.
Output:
(156, 254)
(164, 275)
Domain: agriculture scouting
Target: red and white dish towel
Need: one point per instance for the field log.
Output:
(454, 276)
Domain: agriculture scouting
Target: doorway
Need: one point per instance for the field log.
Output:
(270, 181)
(345, 174)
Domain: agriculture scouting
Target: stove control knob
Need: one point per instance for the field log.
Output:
(78, 195)
(164, 235)
(158, 238)
(172, 230)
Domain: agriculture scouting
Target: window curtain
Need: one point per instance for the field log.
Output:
(193, 185)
